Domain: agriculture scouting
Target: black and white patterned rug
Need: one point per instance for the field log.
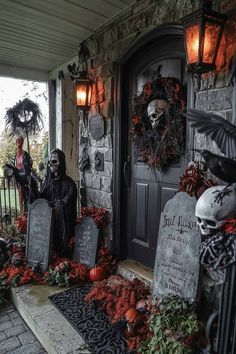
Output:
(92, 324)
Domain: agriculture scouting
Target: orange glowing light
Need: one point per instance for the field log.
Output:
(83, 88)
(192, 42)
(81, 96)
(203, 30)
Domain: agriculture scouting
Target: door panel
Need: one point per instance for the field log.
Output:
(149, 189)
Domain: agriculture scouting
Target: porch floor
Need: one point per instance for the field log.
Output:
(53, 331)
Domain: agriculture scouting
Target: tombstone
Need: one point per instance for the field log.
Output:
(86, 242)
(39, 234)
(177, 262)
(96, 126)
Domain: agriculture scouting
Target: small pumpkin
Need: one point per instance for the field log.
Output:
(132, 316)
(97, 273)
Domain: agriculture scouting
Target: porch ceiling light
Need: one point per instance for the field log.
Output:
(202, 33)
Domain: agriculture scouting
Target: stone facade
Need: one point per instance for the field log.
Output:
(107, 46)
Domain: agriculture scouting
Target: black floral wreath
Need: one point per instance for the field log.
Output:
(165, 144)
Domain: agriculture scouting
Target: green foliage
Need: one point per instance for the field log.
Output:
(174, 321)
(55, 277)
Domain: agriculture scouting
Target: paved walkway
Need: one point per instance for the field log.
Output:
(15, 335)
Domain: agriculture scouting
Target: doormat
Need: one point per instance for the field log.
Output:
(92, 324)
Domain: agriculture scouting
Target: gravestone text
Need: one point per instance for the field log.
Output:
(39, 234)
(177, 261)
(86, 242)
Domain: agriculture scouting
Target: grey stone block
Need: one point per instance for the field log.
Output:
(215, 100)
(34, 348)
(17, 321)
(92, 181)
(5, 325)
(108, 85)
(4, 318)
(9, 344)
(108, 155)
(7, 310)
(2, 336)
(15, 331)
(99, 198)
(110, 36)
(27, 338)
(14, 315)
(106, 184)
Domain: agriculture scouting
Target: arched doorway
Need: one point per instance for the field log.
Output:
(140, 193)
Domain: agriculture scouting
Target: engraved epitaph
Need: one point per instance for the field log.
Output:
(177, 262)
(86, 241)
(39, 234)
(96, 126)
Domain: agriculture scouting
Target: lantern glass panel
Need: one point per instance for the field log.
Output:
(192, 43)
(81, 95)
(212, 31)
(89, 94)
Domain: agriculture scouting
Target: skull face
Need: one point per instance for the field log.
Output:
(54, 163)
(212, 215)
(155, 110)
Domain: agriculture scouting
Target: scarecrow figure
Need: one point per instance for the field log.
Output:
(23, 174)
(24, 119)
(61, 192)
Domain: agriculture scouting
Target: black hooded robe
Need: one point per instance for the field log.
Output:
(61, 192)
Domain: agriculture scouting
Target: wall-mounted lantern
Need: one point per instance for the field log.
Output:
(83, 89)
(202, 33)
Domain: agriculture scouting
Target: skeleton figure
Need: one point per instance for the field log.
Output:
(54, 163)
(155, 110)
(212, 215)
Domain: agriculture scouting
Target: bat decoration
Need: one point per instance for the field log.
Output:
(217, 128)
(61, 75)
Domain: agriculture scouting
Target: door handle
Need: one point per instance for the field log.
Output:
(127, 173)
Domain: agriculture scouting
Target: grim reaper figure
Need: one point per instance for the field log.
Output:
(61, 192)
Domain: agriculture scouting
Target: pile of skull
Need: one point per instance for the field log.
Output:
(214, 210)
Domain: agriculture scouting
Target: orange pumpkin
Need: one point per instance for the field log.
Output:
(97, 273)
(132, 316)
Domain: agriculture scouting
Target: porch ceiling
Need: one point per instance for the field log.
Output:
(42, 35)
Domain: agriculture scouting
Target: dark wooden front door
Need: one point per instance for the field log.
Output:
(148, 190)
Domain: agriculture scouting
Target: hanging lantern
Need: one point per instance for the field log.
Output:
(202, 31)
(83, 89)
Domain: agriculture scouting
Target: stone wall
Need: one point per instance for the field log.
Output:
(107, 46)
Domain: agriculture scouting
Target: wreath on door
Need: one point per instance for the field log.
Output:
(159, 123)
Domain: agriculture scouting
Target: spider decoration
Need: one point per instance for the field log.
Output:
(219, 251)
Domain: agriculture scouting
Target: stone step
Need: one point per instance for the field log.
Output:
(50, 327)
(130, 269)
(53, 331)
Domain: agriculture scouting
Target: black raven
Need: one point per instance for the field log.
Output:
(217, 128)
(220, 166)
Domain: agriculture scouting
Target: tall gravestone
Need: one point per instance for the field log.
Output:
(39, 234)
(177, 262)
(86, 242)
